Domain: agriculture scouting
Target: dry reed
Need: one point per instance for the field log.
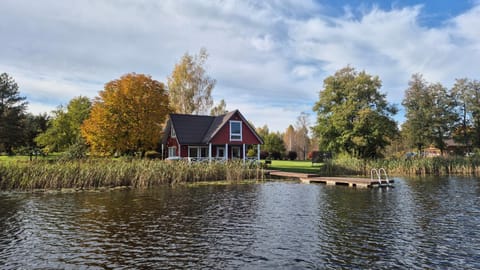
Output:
(104, 173)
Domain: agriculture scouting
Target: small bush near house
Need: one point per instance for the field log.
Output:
(153, 155)
(292, 155)
(263, 154)
(275, 155)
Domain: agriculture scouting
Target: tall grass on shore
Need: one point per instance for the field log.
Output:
(420, 166)
(91, 174)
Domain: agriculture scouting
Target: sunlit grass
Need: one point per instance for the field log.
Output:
(300, 166)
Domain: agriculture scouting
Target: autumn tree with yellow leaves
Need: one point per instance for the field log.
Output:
(127, 116)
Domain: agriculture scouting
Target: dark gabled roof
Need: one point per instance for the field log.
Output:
(191, 129)
(199, 129)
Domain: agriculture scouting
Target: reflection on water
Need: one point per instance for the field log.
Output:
(422, 223)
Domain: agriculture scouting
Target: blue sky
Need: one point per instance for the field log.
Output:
(269, 57)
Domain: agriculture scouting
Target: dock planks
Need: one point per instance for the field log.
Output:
(291, 174)
(347, 181)
(350, 181)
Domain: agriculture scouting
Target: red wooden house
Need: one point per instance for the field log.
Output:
(202, 137)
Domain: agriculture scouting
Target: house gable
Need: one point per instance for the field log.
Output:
(222, 133)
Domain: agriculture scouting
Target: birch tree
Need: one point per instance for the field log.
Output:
(189, 87)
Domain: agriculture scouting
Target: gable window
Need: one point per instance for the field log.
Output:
(235, 130)
(172, 133)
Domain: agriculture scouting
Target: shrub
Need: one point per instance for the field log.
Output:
(153, 155)
(263, 154)
(292, 155)
(251, 152)
(75, 151)
(275, 155)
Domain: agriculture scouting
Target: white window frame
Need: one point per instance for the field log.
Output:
(199, 151)
(174, 149)
(173, 134)
(235, 134)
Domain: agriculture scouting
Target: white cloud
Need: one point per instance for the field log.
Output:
(304, 71)
(269, 57)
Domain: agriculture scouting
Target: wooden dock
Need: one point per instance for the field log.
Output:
(291, 174)
(346, 181)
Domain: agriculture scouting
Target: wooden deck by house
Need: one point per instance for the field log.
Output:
(347, 181)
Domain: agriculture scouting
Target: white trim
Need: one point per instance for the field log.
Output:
(210, 152)
(226, 151)
(258, 152)
(244, 155)
(173, 134)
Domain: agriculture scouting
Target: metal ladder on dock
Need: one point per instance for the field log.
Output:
(378, 174)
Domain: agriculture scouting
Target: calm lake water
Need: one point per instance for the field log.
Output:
(422, 223)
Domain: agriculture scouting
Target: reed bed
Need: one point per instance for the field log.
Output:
(93, 174)
(418, 166)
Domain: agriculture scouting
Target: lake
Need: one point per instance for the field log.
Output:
(421, 223)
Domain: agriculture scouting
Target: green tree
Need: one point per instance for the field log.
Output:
(219, 109)
(63, 129)
(443, 115)
(417, 105)
(273, 144)
(353, 116)
(190, 89)
(430, 113)
(34, 126)
(467, 96)
(474, 110)
(461, 94)
(12, 114)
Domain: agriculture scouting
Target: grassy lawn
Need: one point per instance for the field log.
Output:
(301, 166)
(5, 158)
(13, 158)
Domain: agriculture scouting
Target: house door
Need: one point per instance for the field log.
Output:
(220, 152)
(236, 154)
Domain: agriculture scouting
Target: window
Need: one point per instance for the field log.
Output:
(220, 152)
(172, 151)
(236, 152)
(197, 151)
(235, 131)
(172, 133)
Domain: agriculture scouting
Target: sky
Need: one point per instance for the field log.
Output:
(269, 58)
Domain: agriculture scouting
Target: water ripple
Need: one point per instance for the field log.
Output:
(426, 223)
